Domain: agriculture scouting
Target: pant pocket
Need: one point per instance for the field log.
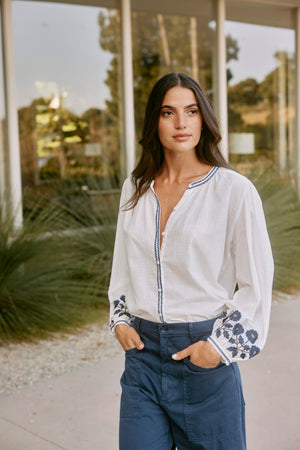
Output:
(212, 406)
(130, 405)
(195, 368)
(131, 351)
(130, 380)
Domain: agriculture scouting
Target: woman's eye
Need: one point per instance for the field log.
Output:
(166, 113)
(191, 112)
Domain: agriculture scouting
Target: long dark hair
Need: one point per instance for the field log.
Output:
(152, 156)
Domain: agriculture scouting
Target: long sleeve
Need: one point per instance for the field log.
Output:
(119, 280)
(241, 332)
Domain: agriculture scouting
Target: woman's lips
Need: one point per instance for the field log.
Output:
(181, 137)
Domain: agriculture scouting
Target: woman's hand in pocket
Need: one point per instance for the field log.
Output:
(128, 337)
(202, 354)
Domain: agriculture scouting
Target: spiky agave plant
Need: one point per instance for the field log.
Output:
(51, 280)
(93, 243)
(282, 210)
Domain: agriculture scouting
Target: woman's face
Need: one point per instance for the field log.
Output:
(179, 125)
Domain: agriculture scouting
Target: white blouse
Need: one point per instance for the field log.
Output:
(215, 237)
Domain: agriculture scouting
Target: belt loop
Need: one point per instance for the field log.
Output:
(137, 322)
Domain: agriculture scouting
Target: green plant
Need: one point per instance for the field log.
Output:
(282, 210)
(54, 271)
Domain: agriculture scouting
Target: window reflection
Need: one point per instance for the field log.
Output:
(181, 39)
(261, 98)
(164, 43)
(68, 92)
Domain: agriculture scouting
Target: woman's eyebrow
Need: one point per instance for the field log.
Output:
(186, 107)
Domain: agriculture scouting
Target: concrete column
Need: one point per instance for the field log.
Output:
(127, 73)
(14, 163)
(282, 123)
(220, 77)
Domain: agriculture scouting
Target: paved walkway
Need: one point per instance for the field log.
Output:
(79, 410)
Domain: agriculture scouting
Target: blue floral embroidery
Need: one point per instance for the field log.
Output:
(252, 335)
(121, 312)
(237, 329)
(253, 351)
(235, 316)
(235, 334)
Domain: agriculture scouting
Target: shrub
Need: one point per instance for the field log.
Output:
(54, 271)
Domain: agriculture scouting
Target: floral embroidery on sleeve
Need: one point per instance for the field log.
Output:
(120, 313)
(241, 341)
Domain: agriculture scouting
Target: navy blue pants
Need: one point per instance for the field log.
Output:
(166, 403)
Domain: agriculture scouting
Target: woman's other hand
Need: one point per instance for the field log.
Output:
(128, 337)
(202, 354)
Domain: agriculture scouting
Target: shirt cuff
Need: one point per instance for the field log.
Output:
(224, 358)
(113, 325)
(120, 314)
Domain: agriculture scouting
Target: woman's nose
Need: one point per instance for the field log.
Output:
(180, 121)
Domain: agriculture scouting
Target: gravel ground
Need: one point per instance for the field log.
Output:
(25, 363)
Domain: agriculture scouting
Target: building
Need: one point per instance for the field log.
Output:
(76, 76)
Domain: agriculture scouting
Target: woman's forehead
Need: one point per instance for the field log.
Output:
(179, 96)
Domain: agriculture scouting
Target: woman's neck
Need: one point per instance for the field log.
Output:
(180, 168)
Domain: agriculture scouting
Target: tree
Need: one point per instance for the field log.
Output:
(245, 92)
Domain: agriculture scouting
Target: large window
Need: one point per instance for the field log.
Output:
(69, 84)
(261, 90)
(69, 96)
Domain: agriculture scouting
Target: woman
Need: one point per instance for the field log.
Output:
(189, 229)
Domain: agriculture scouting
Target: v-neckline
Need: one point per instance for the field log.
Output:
(161, 232)
(192, 183)
(189, 186)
